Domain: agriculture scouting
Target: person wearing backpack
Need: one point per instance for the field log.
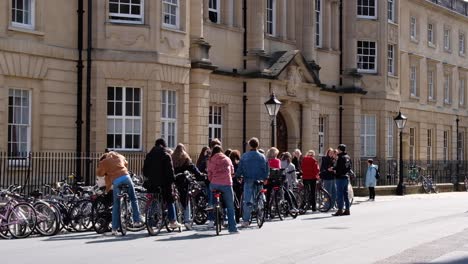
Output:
(343, 171)
(372, 175)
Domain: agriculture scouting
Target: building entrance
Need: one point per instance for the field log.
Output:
(281, 133)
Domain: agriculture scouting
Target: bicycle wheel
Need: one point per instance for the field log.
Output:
(154, 217)
(101, 217)
(22, 220)
(300, 201)
(124, 212)
(141, 206)
(278, 205)
(427, 185)
(199, 214)
(80, 216)
(260, 214)
(323, 200)
(47, 219)
(218, 220)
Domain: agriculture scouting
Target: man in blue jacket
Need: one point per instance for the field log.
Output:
(253, 166)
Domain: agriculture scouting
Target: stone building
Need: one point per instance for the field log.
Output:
(193, 70)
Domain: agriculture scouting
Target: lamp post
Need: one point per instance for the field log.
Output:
(458, 154)
(273, 105)
(400, 121)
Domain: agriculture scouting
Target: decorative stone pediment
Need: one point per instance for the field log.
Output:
(295, 80)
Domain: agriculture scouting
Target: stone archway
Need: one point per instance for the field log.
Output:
(281, 133)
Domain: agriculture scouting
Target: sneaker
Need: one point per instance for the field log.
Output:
(245, 224)
(234, 232)
(114, 232)
(174, 225)
(188, 226)
(210, 224)
(137, 224)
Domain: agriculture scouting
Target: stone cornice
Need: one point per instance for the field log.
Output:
(440, 8)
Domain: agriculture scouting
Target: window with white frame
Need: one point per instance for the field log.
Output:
(171, 13)
(447, 88)
(321, 134)
(367, 9)
(413, 81)
(461, 92)
(368, 136)
(412, 144)
(461, 145)
(391, 59)
(126, 11)
(22, 13)
(169, 117)
(367, 56)
(430, 33)
(214, 11)
(318, 23)
(215, 123)
(390, 133)
(429, 146)
(447, 45)
(413, 28)
(271, 17)
(461, 44)
(124, 118)
(430, 85)
(446, 146)
(19, 122)
(391, 10)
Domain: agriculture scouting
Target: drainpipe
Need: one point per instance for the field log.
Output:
(88, 92)
(341, 68)
(244, 83)
(79, 91)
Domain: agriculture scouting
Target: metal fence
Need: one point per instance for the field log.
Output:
(39, 168)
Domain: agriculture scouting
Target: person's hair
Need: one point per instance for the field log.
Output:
(287, 156)
(297, 153)
(253, 143)
(342, 147)
(215, 142)
(371, 161)
(180, 157)
(272, 153)
(202, 155)
(228, 152)
(216, 149)
(161, 142)
(311, 153)
(330, 151)
(235, 155)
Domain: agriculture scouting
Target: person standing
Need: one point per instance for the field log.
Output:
(327, 175)
(297, 161)
(343, 168)
(220, 172)
(253, 166)
(113, 166)
(371, 178)
(203, 158)
(159, 172)
(310, 175)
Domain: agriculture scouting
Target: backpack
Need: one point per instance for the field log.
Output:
(377, 173)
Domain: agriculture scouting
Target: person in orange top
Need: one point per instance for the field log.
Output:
(310, 175)
(113, 166)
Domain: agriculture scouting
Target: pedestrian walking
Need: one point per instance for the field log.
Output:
(371, 178)
(343, 170)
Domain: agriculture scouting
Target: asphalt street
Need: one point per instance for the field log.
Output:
(430, 228)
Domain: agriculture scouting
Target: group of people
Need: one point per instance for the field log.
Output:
(230, 173)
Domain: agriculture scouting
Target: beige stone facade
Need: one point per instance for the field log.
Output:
(181, 69)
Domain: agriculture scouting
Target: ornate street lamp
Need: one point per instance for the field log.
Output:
(273, 105)
(400, 121)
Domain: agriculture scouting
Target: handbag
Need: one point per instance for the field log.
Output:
(351, 175)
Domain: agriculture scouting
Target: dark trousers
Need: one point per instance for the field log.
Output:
(310, 186)
(371, 192)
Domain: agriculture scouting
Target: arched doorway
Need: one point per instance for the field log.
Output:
(281, 133)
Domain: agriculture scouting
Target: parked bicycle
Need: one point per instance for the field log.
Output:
(17, 219)
(322, 198)
(420, 175)
(157, 215)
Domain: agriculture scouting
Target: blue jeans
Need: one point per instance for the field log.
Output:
(249, 192)
(228, 197)
(330, 186)
(171, 212)
(125, 179)
(187, 213)
(342, 193)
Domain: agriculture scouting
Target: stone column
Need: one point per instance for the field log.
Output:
(308, 32)
(255, 26)
(196, 18)
(199, 103)
(352, 124)
(310, 116)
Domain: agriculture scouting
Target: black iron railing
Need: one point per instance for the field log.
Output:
(34, 169)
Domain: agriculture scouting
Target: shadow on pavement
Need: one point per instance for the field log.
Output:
(318, 218)
(112, 239)
(192, 236)
(73, 236)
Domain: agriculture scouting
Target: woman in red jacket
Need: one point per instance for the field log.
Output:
(310, 175)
